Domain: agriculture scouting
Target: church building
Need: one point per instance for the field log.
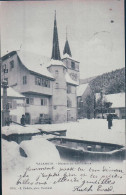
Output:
(50, 91)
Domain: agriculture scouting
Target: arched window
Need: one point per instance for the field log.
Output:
(73, 65)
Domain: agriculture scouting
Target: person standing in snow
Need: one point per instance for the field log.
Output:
(23, 119)
(109, 119)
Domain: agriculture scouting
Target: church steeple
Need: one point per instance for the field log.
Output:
(55, 48)
(67, 47)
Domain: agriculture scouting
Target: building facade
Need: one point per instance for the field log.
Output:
(50, 90)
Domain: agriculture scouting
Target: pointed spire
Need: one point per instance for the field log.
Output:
(55, 48)
(67, 47)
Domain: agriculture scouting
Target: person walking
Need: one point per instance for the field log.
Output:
(109, 119)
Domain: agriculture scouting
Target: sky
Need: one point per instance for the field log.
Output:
(95, 31)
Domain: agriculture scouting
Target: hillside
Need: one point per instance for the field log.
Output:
(111, 82)
(87, 80)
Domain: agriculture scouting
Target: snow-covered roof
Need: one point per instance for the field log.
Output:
(81, 89)
(117, 100)
(12, 93)
(69, 79)
(68, 56)
(35, 63)
(56, 63)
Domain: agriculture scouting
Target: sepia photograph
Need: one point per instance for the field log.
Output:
(63, 97)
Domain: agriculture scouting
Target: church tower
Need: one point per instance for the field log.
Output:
(71, 64)
(58, 102)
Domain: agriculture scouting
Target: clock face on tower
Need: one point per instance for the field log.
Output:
(73, 76)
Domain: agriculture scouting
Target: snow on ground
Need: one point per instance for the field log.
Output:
(17, 129)
(92, 130)
(40, 149)
(11, 158)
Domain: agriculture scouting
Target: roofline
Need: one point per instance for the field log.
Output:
(35, 93)
(33, 72)
(10, 54)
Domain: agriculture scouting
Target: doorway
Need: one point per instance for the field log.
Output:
(27, 118)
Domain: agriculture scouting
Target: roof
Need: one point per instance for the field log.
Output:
(117, 100)
(68, 56)
(35, 63)
(69, 80)
(56, 63)
(8, 55)
(81, 89)
(12, 93)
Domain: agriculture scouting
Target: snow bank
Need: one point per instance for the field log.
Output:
(16, 129)
(37, 150)
(11, 158)
(40, 150)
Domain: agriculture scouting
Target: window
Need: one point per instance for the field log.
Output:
(27, 100)
(69, 104)
(57, 85)
(31, 101)
(11, 64)
(68, 89)
(4, 68)
(24, 80)
(39, 81)
(41, 115)
(43, 101)
(55, 107)
(73, 65)
(42, 82)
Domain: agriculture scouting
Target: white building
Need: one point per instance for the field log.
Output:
(117, 104)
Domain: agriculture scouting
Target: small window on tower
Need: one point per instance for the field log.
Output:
(73, 65)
